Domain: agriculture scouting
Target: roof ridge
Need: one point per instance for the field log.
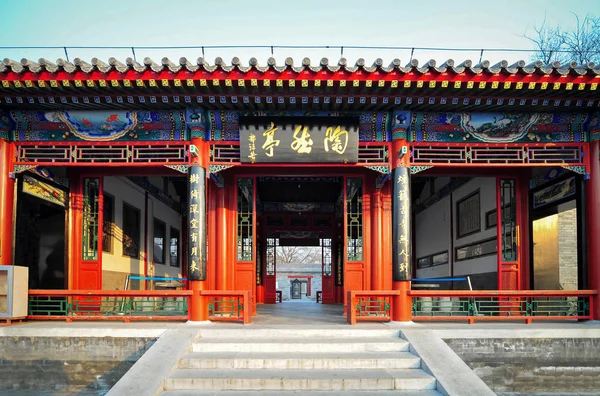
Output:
(502, 67)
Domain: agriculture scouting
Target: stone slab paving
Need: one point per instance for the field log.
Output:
(300, 393)
(322, 319)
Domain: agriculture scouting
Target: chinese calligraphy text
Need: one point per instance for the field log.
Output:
(197, 224)
(401, 251)
(298, 139)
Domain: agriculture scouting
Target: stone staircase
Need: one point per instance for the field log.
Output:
(311, 361)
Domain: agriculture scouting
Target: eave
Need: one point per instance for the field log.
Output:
(466, 87)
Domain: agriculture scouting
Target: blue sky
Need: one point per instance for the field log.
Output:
(417, 23)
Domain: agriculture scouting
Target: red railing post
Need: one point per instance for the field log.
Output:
(247, 296)
(402, 303)
(198, 310)
(351, 307)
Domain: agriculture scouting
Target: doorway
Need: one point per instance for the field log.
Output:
(556, 236)
(40, 234)
(299, 220)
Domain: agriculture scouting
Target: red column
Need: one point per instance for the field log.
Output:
(6, 202)
(592, 220)
(211, 235)
(222, 259)
(377, 254)
(386, 236)
(402, 306)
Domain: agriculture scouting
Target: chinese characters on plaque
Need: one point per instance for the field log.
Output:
(197, 224)
(401, 259)
(298, 139)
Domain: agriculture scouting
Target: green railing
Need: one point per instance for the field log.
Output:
(375, 307)
(225, 307)
(228, 305)
(108, 304)
(502, 305)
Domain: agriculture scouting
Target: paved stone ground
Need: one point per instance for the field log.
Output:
(307, 314)
(547, 394)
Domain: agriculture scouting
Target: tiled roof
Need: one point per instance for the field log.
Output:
(503, 67)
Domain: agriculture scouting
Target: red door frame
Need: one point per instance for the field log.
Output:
(244, 276)
(521, 176)
(509, 272)
(87, 274)
(356, 273)
(254, 171)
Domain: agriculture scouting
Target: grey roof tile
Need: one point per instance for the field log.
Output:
(521, 66)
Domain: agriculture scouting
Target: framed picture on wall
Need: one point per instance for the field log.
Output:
(555, 192)
(477, 249)
(468, 215)
(491, 219)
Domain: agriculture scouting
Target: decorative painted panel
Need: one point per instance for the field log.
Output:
(196, 123)
(224, 125)
(401, 124)
(594, 127)
(98, 125)
(374, 127)
(5, 125)
(498, 127)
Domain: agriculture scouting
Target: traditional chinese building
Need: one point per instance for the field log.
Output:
(202, 170)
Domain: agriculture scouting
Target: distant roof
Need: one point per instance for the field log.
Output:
(538, 67)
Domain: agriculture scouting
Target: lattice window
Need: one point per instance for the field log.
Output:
(494, 154)
(354, 219)
(327, 256)
(271, 249)
(245, 208)
(373, 154)
(174, 246)
(159, 238)
(131, 231)
(108, 223)
(225, 153)
(91, 202)
(114, 153)
(508, 203)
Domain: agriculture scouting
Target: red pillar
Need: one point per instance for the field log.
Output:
(592, 219)
(222, 259)
(7, 185)
(212, 235)
(402, 306)
(377, 254)
(386, 236)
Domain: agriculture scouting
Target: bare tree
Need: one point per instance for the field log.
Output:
(581, 45)
(298, 255)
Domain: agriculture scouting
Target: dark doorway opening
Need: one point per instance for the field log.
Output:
(40, 241)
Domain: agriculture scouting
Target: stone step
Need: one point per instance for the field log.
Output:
(303, 361)
(298, 332)
(232, 379)
(359, 344)
(301, 393)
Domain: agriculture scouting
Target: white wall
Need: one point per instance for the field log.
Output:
(432, 235)
(487, 202)
(435, 233)
(124, 190)
(157, 209)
